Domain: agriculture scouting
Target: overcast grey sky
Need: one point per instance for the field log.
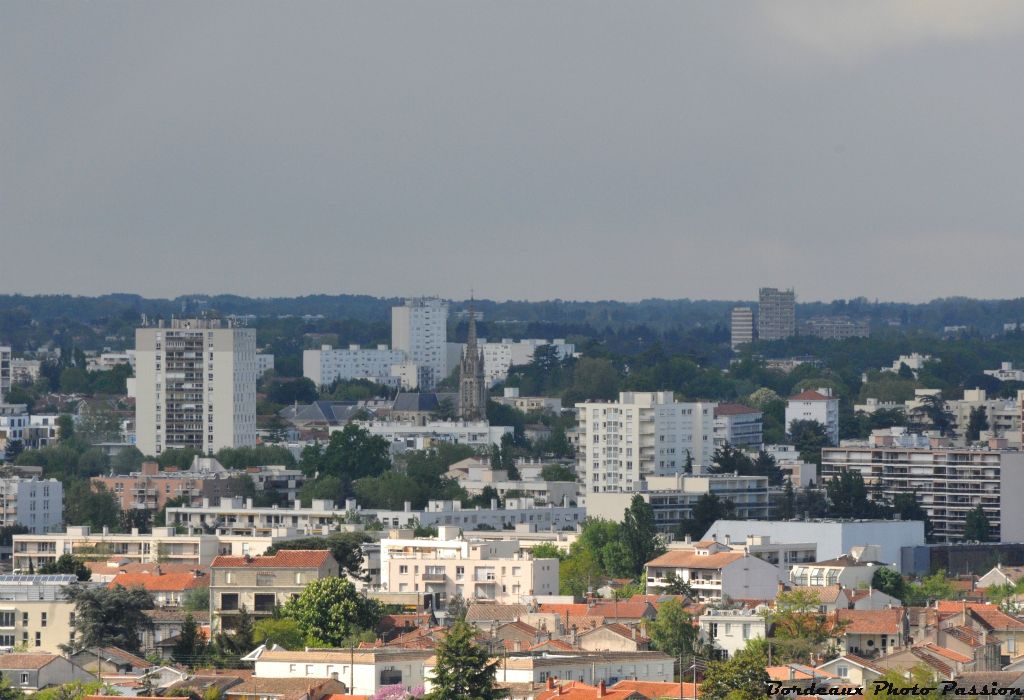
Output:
(528, 150)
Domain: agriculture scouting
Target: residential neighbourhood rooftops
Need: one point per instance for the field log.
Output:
(871, 621)
(285, 559)
(689, 559)
(26, 661)
(160, 581)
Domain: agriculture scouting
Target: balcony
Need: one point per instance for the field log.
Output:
(434, 577)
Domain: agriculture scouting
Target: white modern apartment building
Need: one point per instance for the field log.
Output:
(163, 544)
(818, 406)
(741, 324)
(5, 371)
(476, 570)
(500, 356)
(510, 397)
(832, 537)
(196, 386)
(34, 503)
(673, 497)
(915, 362)
(104, 362)
(24, 371)
(1006, 373)
(948, 482)
(237, 517)
(727, 631)
(738, 425)
(419, 328)
(641, 435)
(32, 431)
(407, 435)
(329, 364)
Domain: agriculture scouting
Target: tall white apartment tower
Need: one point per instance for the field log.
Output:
(5, 372)
(741, 326)
(419, 328)
(641, 435)
(195, 386)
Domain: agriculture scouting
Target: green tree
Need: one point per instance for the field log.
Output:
(907, 507)
(330, 611)
(65, 427)
(932, 412)
(456, 608)
(463, 670)
(76, 690)
(787, 506)
(110, 616)
(388, 491)
(283, 631)
(743, 677)
(196, 599)
(930, 589)
(9, 692)
(351, 453)
(808, 436)
(190, 649)
(976, 526)
(639, 534)
(92, 506)
(673, 585)
(672, 631)
(708, 508)
(890, 582)
(848, 496)
(547, 550)
(976, 423)
(67, 564)
(128, 460)
(557, 472)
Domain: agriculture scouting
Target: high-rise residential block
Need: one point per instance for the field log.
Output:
(195, 386)
(643, 434)
(5, 372)
(329, 364)
(33, 503)
(419, 328)
(776, 313)
(741, 326)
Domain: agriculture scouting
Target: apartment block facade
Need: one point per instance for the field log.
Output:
(643, 434)
(476, 570)
(34, 503)
(738, 425)
(262, 583)
(150, 489)
(776, 313)
(5, 371)
(35, 611)
(818, 406)
(419, 328)
(741, 327)
(195, 386)
(948, 483)
(329, 364)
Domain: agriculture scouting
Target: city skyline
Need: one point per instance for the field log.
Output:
(538, 152)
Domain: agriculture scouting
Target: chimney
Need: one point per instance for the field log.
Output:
(551, 683)
(601, 691)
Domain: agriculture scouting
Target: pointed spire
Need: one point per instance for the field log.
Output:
(471, 335)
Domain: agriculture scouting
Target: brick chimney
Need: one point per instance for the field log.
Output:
(601, 691)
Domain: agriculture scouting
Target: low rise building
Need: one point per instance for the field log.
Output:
(715, 573)
(261, 584)
(1006, 373)
(476, 570)
(35, 612)
(528, 404)
(162, 544)
(833, 537)
(819, 406)
(362, 671)
(738, 425)
(727, 631)
(853, 570)
(674, 497)
(872, 633)
(412, 436)
(33, 671)
(168, 589)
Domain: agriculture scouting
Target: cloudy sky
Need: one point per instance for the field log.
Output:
(527, 149)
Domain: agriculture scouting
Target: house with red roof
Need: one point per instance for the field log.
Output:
(871, 633)
(819, 406)
(261, 584)
(715, 572)
(577, 690)
(167, 589)
(852, 669)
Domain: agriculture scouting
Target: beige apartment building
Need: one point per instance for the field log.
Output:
(262, 583)
(164, 544)
(35, 612)
(475, 569)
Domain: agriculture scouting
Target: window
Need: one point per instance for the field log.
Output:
(24, 619)
(390, 676)
(39, 639)
(309, 669)
(24, 679)
(6, 640)
(714, 630)
(292, 668)
(229, 601)
(229, 577)
(298, 577)
(842, 671)
(43, 620)
(403, 569)
(7, 620)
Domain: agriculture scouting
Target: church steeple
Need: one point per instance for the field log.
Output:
(472, 386)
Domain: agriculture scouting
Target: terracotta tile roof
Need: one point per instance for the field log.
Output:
(575, 690)
(733, 409)
(655, 689)
(946, 653)
(521, 626)
(19, 662)
(551, 645)
(120, 655)
(493, 611)
(861, 661)
(656, 599)
(564, 608)
(622, 609)
(584, 622)
(286, 688)
(621, 630)
(811, 395)
(796, 672)
(160, 582)
(988, 614)
(284, 559)
(824, 594)
(968, 636)
(871, 621)
(120, 697)
(683, 559)
(933, 660)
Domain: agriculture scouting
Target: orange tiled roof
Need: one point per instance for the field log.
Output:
(733, 409)
(947, 653)
(685, 559)
(620, 609)
(574, 690)
(20, 662)
(810, 395)
(871, 621)
(656, 689)
(284, 559)
(160, 582)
